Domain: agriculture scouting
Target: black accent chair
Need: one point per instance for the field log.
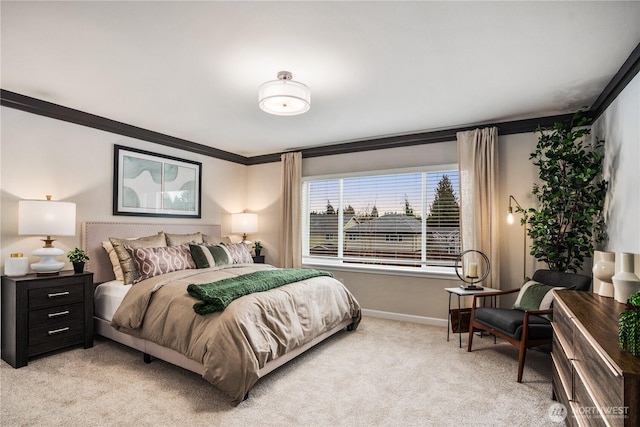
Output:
(523, 329)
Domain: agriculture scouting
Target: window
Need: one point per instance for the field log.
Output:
(407, 219)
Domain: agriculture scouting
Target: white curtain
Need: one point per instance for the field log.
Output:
(479, 216)
(291, 239)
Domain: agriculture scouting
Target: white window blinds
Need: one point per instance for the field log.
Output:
(404, 219)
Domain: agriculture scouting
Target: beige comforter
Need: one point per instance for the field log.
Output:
(233, 345)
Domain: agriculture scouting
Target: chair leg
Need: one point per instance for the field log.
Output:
(521, 357)
(470, 336)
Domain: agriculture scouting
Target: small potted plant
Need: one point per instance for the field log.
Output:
(78, 257)
(257, 246)
(629, 326)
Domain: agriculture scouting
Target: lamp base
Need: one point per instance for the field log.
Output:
(48, 264)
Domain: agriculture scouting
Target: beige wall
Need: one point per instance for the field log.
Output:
(41, 156)
(263, 195)
(425, 298)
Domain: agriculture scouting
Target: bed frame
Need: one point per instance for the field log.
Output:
(94, 233)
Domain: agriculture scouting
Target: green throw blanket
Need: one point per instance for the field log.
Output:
(216, 296)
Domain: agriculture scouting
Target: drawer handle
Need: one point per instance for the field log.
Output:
(58, 294)
(58, 314)
(57, 331)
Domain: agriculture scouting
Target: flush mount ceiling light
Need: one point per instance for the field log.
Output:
(284, 97)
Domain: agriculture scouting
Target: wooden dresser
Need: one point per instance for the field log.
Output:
(598, 383)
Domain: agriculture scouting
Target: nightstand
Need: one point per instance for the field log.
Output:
(258, 259)
(45, 313)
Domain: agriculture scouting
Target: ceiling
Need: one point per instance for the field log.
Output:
(191, 70)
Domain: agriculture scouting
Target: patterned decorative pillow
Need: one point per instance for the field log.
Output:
(535, 296)
(152, 262)
(126, 262)
(206, 256)
(183, 239)
(239, 252)
(113, 257)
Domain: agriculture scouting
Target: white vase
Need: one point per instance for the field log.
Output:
(625, 282)
(604, 268)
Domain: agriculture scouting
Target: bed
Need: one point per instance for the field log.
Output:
(231, 349)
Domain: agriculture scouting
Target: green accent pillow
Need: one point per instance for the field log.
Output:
(206, 256)
(535, 296)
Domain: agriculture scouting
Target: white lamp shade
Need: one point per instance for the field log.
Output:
(284, 97)
(244, 223)
(46, 218)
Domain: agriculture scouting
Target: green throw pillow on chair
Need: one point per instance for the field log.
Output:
(535, 296)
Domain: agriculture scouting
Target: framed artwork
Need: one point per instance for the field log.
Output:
(149, 184)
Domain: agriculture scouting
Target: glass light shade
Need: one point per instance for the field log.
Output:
(284, 97)
(244, 223)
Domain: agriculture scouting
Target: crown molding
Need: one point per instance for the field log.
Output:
(622, 78)
(627, 72)
(55, 111)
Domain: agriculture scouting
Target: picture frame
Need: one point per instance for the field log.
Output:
(155, 185)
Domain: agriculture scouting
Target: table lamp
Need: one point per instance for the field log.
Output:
(47, 218)
(244, 223)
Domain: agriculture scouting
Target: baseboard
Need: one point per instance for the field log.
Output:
(405, 317)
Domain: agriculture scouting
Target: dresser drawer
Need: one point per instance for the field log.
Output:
(604, 381)
(563, 365)
(51, 296)
(562, 325)
(52, 316)
(584, 408)
(561, 395)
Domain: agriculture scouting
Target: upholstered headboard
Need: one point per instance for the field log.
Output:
(94, 233)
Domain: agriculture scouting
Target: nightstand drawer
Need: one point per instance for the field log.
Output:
(56, 295)
(55, 334)
(52, 316)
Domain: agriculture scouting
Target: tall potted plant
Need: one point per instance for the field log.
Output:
(569, 218)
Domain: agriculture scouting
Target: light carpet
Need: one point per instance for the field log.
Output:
(386, 373)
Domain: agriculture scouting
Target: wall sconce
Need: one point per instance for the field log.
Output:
(524, 237)
(244, 223)
(47, 218)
